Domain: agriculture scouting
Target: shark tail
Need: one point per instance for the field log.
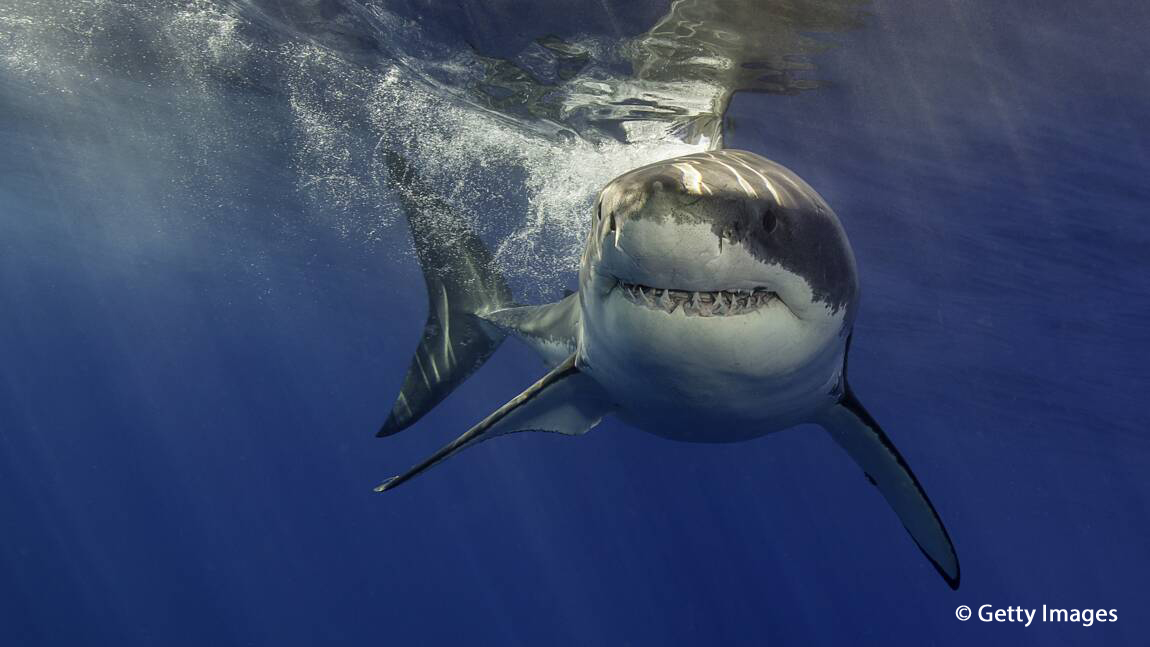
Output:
(462, 284)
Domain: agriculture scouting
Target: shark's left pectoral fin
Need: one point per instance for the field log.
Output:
(857, 432)
(565, 401)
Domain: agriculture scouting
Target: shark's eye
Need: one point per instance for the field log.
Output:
(770, 220)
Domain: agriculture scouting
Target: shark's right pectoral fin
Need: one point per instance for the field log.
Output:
(565, 401)
(857, 432)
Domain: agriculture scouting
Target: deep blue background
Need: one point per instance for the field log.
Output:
(189, 391)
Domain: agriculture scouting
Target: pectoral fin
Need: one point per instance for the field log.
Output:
(565, 401)
(857, 432)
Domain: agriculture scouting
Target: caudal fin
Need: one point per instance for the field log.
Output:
(462, 281)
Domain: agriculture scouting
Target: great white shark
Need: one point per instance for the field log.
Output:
(716, 302)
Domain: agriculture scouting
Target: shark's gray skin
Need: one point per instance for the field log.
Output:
(717, 295)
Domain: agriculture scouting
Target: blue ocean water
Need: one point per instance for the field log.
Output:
(209, 301)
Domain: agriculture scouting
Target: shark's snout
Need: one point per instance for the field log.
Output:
(724, 220)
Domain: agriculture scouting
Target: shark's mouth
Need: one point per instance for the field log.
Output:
(721, 303)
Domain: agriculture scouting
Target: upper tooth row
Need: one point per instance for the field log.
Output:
(700, 303)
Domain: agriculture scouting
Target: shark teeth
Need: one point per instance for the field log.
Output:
(721, 303)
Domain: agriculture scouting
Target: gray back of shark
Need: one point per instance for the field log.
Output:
(717, 294)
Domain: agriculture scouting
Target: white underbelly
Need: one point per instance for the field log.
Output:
(721, 407)
(712, 379)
